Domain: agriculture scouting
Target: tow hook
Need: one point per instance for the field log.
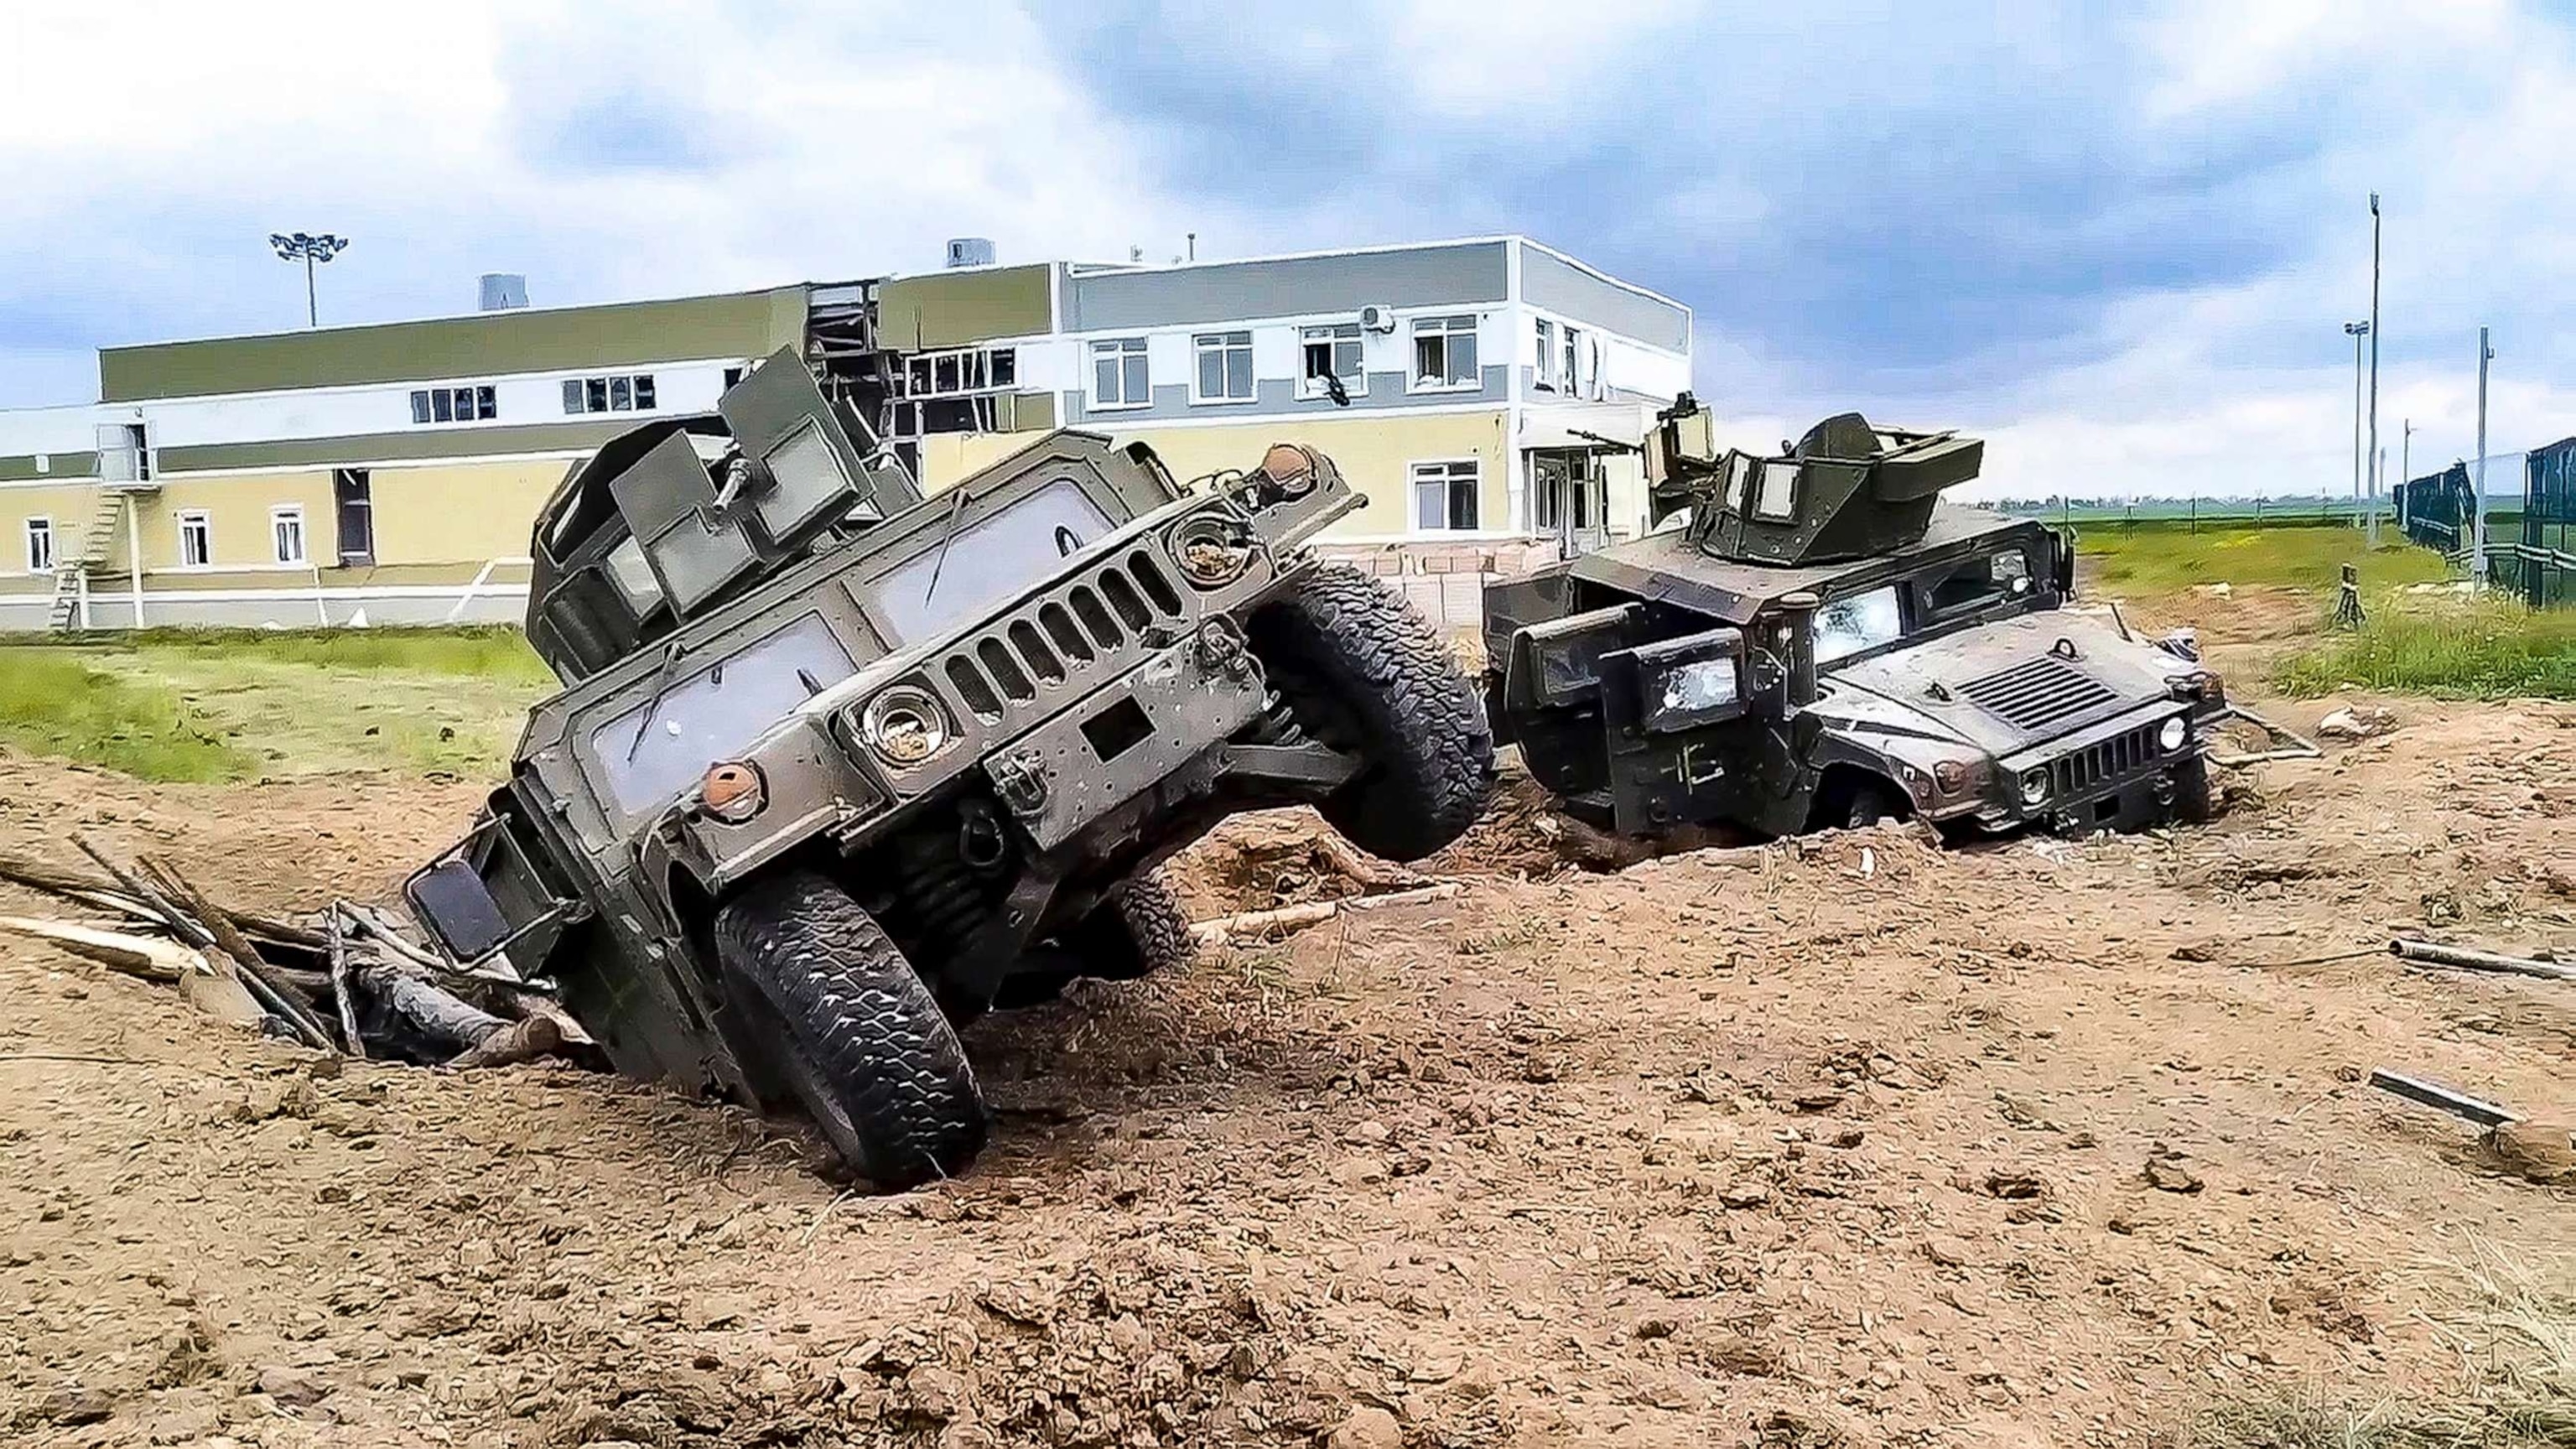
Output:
(1221, 650)
(1020, 780)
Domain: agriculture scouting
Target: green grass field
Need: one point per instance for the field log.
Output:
(2165, 557)
(2492, 650)
(207, 705)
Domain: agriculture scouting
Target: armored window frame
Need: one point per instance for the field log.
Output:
(1775, 491)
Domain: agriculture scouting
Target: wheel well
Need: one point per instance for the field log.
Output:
(1841, 784)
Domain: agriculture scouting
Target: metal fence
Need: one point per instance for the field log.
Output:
(2531, 550)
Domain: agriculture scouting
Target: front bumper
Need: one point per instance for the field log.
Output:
(2115, 775)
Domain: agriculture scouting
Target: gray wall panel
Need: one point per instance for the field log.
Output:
(1294, 287)
(1273, 396)
(1572, 292)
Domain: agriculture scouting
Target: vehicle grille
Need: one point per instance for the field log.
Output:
(2099, 764)
(2038, 694)
(1096, 620)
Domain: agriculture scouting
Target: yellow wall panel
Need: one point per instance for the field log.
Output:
(237, 514)
(1375, 454)
(461, 513)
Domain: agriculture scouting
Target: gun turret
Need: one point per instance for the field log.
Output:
(1846, 490)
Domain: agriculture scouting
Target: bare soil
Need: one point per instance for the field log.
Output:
(1853, 1140)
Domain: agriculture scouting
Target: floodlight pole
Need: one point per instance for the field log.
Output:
(2356, 331)
(309, 249)
(2478, 503)
(2380, 462)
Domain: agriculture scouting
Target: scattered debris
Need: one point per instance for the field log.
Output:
(2357, 722)
(2440, 1098)
(349, 982)
(2464, 958)
(1257, 924)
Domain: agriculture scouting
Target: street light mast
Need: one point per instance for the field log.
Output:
(309, 249)
(2356, 331)
(2374, 368)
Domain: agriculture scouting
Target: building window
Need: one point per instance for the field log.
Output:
(196, 539)
(286, 533)
(353, 506)
(40, 545)
(1444, 495)
(1444, 353)
(618, 392)
(1118, 374)
(1572, 372)
(1224, 367)
(952, 374)
(732, 375)
(477, 402)
(1544, 374)
(1331, 352)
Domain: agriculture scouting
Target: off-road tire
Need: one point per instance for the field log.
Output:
(2198, 796)
(875, 1062)
(1872, 801)
(1138, 927)
(1363, 671)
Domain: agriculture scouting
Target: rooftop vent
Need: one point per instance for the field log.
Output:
(503, 290)
(970, 251)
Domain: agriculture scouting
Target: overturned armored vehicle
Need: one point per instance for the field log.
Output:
(836, 768)
(1826, 641)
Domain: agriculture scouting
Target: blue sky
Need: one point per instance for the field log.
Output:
(2122, 240)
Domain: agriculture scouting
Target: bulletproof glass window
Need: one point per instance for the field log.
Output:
(675, 729)
(987, 560)
(1845, 627)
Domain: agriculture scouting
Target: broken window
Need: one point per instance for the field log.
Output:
(1572, 372)
(1331, 352)
(1224, 367)
(621, 395)
(1444, 353)
(1118, 374)
(1544, 374)
(1444, 495)
(286, 533)
(196, 539)
(643, 392)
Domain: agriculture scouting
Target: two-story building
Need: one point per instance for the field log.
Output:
(1485, 394)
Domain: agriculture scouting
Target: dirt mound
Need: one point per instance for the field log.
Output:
(2041, 1142)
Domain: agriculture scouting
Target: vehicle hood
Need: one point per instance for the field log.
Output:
(2006, 685)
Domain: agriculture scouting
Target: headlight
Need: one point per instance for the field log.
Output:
(2171, 737)
(2034, 786)
(905, 726)
(733, 793)
(1212, 549)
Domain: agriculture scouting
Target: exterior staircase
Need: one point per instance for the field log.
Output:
(97, 541)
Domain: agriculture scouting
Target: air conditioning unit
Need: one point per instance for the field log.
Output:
(1377, 319)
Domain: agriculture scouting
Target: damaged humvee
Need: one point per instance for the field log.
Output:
(1819, 639)
(836, 768)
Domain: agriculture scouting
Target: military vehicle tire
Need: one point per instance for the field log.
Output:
(1138, 927)
(868, 1051)
(1872, 801)
(2197, 800)
(1363, 671)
